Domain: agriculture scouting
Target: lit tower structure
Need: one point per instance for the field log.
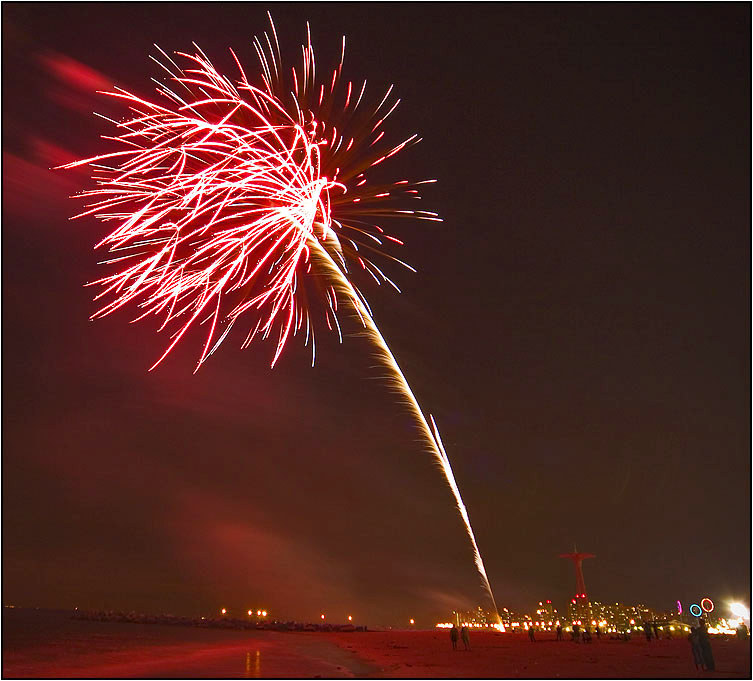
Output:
(579, 605)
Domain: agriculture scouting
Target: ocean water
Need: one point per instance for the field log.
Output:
(51, 644)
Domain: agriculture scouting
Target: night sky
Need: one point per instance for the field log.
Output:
(579, 326)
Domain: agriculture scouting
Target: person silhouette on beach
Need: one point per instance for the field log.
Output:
(466, 637)
(559, 632)
(531, 635)
(704, 643)
(454, 637)
(656, 631)
(695, 648)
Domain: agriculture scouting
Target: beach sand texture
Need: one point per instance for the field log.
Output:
(63, 648)
(428, 654)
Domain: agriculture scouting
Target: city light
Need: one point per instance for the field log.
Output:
(250, 612)
(350, 618)
(722, 628)
(412, 621)
(322, 616)
(709, 604)
(740, 611)
(263, 613)
(593, 614)
(224, 611)
(258, 613)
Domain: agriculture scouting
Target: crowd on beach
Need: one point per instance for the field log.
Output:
(700, 643)
(210, 622)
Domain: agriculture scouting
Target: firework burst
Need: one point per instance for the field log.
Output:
(234, 202)
(220, 187)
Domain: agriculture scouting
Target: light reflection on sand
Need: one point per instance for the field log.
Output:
(256, 674)
(49, 644)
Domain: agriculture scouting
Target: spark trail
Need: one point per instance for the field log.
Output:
(430, 433)
(231, 200)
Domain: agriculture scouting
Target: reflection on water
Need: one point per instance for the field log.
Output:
(257, 665)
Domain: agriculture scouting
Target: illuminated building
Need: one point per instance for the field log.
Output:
(608, 617)
(618, 616)
(546, 616)
(478, 617)
(579, 610)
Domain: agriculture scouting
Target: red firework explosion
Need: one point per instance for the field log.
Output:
(219, 189)
(231, 198)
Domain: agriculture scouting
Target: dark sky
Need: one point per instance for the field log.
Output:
(579, 325)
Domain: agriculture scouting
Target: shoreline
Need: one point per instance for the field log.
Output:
(250, 655)
(50, 646)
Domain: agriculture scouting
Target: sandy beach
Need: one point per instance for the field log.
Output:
(39, 644)
(428, 654)
(64, 648)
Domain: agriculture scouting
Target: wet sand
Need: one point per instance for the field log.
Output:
(254, 655)
(76, 649)
(54, 646)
